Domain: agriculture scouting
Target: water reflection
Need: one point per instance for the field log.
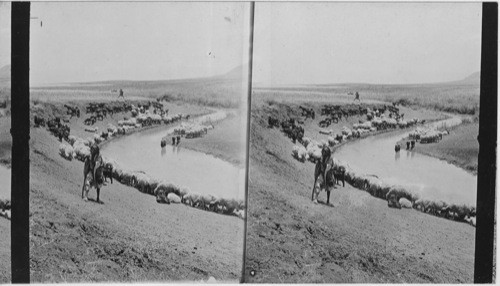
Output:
(438, 179)
(213, 175)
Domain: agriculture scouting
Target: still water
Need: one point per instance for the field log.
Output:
(200, 172)
(433, 178)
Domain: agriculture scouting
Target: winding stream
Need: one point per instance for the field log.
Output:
(433, 178)
(200, 172)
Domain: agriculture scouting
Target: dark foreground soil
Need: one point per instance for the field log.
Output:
(358, 240)
(128, 238)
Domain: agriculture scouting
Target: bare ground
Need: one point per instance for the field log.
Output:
(5, 159)
(5, 252)
(5, 141)
(460, 147)
(128, 238)
(224, 141)
(359, 240)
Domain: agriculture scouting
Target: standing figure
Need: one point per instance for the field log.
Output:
(178, 139)
(397, 148)
(93, 173)
(121, 93)
(357, 97)
(323, 175)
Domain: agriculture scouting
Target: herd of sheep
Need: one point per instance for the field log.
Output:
(400, 196)
(5, 209)
(192, 130)
(147, 119)
(428, 135)
(397, 196)
(165, 192)
(196, 127)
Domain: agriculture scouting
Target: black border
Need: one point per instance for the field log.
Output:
(20, 66)
(249, 108)
(483, 263)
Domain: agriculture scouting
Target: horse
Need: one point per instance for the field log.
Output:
(93, 173)
(324, 172)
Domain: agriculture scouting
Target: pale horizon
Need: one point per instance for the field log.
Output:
(301, 43)
(105, 41)
(5, 37)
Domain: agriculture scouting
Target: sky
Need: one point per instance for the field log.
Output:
(4, 33)
(97, 41)
(391, 43)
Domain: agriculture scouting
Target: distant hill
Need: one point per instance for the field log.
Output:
(236, 74)
(474, 78)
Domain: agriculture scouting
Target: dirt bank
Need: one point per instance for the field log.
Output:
(5, 159)
(5, 141)
(224, 141)
(359, 240)
(459, 148)
(128, 238)
(5, 252)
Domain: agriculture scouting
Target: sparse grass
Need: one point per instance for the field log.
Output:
(454, 98)
(460, 147)
(208, 92)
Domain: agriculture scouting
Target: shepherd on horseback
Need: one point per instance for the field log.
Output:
(93, 173)
(323, 175)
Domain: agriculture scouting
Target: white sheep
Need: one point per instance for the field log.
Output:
(240, 213)
(66, 151)
(173, 198)
(72, 139)
(405, 203)
(306, 141)
(98, 139)
(299, 153)
(314, 152)
(471, 220)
